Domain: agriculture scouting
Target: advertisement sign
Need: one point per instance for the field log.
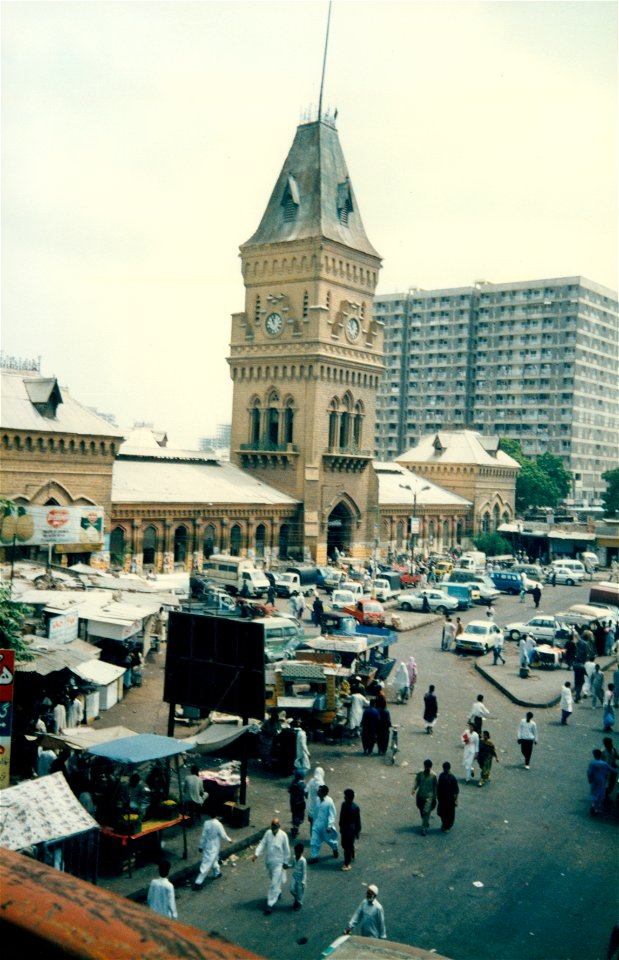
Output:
(36, 526)
(415, 525)
(7, 672)
(63, 628)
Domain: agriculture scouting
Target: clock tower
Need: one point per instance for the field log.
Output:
(306, 353)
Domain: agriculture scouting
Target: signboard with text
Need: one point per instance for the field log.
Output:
(7, 673)
(64, 627)
(38, 526)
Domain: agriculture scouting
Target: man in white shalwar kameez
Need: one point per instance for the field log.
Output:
(210, 845)
(302, 757)
(357, 704)
(161, 896)
(323, 826)
(276, 849)
(313, 786)
(369, 917)
(470, 739)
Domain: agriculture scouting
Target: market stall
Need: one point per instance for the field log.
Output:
(138, 813)
(44, 819)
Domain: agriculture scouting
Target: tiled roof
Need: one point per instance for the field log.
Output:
(458, 446)
(394, 482)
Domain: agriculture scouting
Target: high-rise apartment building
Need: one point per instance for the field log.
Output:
(534, 360)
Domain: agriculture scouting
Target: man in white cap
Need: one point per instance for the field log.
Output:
(276, 849)
(369, 917)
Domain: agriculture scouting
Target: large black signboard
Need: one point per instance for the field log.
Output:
(216, 663)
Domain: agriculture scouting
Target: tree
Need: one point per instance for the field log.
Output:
(610, 497)
(540, 483)
(12, 616)
(492, 544)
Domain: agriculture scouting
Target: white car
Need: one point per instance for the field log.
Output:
(438, 601)
(341, 599)
(540, 628)
(478, 637)
(564, 575)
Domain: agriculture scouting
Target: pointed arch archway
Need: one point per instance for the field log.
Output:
(340, 526)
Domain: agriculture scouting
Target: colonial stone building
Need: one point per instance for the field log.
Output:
(306, 352)
(173, 508)
(54, 450)
(472, 466)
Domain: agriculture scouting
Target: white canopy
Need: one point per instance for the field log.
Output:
(40, 811)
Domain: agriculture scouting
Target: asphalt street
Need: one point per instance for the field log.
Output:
(526, 873)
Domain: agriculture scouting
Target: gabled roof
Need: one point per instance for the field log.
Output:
(313, 196)
(33, 402)
(458, 446)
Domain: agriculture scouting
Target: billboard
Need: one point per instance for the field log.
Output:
(35, 526)
(7, 673)
(215, 663)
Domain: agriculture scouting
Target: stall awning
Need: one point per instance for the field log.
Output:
(215, 737)
(40, 811)
(140, 749)
(98, 672)
(82, 738)
(48, 658)
(571, 535)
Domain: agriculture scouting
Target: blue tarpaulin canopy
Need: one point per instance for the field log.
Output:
(140, 749)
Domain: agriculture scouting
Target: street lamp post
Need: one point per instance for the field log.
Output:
(414, 521)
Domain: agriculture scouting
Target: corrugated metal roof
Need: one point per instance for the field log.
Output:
(165, 480)
(457, 446)
(393, 481)
(19, 413)
(57, 657)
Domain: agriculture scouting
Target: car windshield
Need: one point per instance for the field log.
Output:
(476, 628)
(373, 608)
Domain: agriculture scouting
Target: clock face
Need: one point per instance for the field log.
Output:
(353, 328)
(274, 324)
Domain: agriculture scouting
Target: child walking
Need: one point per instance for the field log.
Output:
(299, 876)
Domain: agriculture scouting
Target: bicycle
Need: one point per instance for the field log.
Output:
(392, 751)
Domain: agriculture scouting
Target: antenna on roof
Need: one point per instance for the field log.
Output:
(324, 63)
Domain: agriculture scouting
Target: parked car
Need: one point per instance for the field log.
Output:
(508, 582)
(478, 637)
(540, 628)
(367, 611)
(532, 570)
(341, 599)
(438, 601)
(564, 575)
(481, 583)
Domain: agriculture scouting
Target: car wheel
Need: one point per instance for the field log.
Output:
(406, 606)
(569, 583)
(514, 634)
(442, 610)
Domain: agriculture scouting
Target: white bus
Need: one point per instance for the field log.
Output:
(233, 572)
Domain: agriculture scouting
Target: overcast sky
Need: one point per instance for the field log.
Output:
(141, 142)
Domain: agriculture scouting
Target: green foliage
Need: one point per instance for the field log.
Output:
(541, 483)
(12, 616)
(610, 497)
(492, 544)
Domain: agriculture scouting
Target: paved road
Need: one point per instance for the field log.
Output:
(548, 869)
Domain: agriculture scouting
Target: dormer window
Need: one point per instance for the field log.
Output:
(344, 201)
(290, 200)
(45, 396)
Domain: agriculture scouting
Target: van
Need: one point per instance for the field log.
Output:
(355, 588)
(574, 565)
(591, 561)
(232, 572)
(507, 581)
(531, 570)
(487, 590)
(443, 567)
(461, 592)
(472, 560)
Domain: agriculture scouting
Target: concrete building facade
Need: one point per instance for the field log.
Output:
(533, 360)
(306, 351)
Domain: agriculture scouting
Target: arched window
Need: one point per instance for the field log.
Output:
(332, 424)
(497, 517)
(254, 423)
(149, 546)
(209, 541)
(431, 532)
(289, 422)
(400, 533)
(180, 544)
(357, 427)
(117, 546)
(261, 539)
(459, 532)
(345, 422)
(505, 517)
(445, 532)
(485, 522)
(272, 424)
(235, 540)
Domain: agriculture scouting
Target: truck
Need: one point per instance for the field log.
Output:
(233, 572)
(386, 585)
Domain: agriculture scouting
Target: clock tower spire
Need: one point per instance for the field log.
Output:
(306, 353)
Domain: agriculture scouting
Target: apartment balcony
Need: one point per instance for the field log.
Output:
(266, 453)
(347, 459)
